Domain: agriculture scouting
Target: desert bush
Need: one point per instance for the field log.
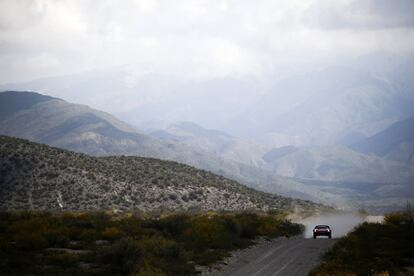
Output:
(111, 233)
(172, 225)
(149, 270)
(30, 241)
(57, 236)
(124, 256)
(206, 233)
(170, 244)
(62, 259)
(168, 255)
(249, 224)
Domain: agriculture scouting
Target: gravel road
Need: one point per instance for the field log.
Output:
(284, 256)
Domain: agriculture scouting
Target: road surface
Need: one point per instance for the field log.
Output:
(284, 256)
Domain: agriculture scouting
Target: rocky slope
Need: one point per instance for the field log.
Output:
(36, 176)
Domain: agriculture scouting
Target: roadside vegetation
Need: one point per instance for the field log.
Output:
(374, 249)
(98, 243)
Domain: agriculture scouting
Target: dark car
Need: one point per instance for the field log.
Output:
(322, 230)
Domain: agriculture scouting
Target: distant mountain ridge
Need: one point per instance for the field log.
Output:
(339, 163)
(395, 142)
(151, 96)
(213, 141)
(39, 177)
(334, 105)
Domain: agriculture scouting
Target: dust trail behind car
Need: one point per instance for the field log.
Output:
(340, 223)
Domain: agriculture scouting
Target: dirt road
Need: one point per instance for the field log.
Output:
(293, 256)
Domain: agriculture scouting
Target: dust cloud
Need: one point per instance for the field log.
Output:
(340, 223)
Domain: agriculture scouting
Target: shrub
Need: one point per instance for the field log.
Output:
(88, 235)
(206, 233)
(131, 225)
(249, 224)
(124, 256)
(148, 270)
(168, 255)
(30, 241)
(111, 233)
(62, 259)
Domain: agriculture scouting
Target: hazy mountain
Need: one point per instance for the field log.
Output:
(79, 128)
(276, 153)
(35, 176)
(213, 141)
(338, 163)
(149, 96)
(189, 130)
(395, 142)
(329, 106)
(367, 181)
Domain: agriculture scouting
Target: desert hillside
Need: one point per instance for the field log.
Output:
(36, 176)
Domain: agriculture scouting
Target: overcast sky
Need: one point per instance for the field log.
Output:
(196, 39)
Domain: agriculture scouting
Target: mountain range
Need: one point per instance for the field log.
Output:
(331, 106)
(339, 136)
(81, 129)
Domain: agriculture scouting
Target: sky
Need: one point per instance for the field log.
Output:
(197, 39)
